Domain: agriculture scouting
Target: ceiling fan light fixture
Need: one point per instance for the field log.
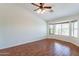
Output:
(40, 11)
(43, 11)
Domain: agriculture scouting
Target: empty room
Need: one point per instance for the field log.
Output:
(39, 29)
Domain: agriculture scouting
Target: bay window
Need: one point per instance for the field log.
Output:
(65, 28)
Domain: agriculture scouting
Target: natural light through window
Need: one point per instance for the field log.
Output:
(51, 29)
(65, 28)
(74, 29)
(58, 29)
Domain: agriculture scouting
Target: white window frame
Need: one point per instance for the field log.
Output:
(69, 27)
(62, 29)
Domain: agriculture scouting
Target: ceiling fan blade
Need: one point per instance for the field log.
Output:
(36, 9)
(35, 4)
(49, 7)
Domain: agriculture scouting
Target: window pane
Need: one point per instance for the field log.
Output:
(72, 29)
(65, 29)
(75, 29)
(50, 29)
(58, 29)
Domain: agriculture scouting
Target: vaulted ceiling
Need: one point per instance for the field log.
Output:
(60, 10)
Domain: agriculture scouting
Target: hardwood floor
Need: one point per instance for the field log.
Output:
(45, 47)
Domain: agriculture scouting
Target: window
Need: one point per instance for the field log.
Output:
(51, 29)
(58, 29)
(74, 29)
(65, 29)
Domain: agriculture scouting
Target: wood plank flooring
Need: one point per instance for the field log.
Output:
(45, 47)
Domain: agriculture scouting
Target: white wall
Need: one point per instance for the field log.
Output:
(18, 26)
(66, 38)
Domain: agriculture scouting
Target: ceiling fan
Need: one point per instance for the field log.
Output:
(42, 7)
